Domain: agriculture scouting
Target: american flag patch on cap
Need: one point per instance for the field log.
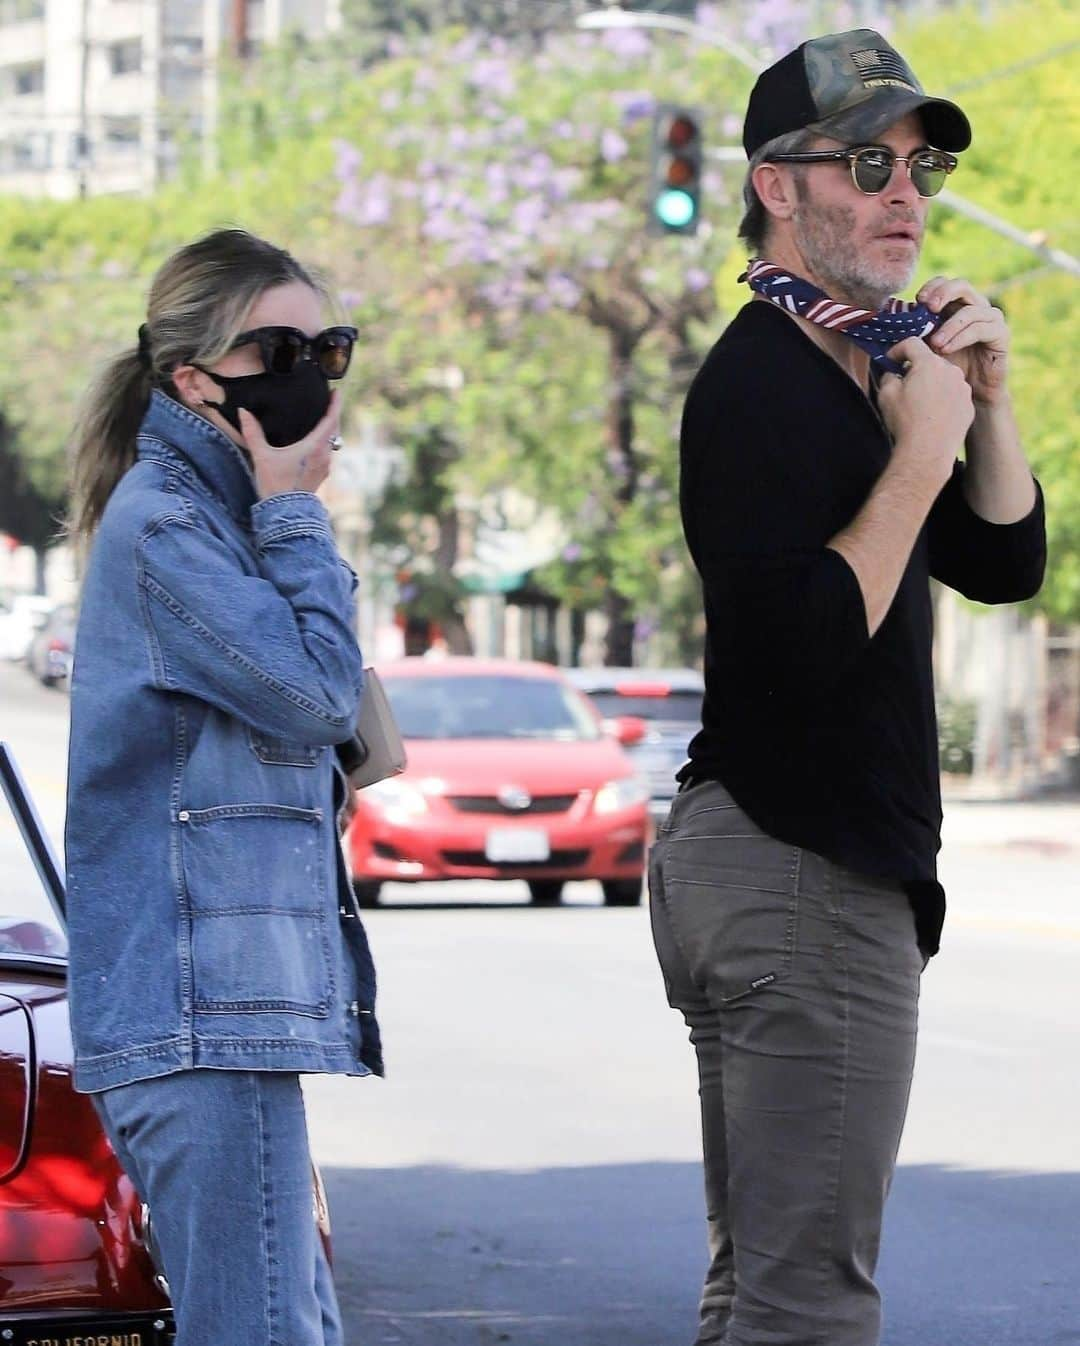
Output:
(877, 67)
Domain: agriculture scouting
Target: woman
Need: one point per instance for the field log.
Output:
(216, 951)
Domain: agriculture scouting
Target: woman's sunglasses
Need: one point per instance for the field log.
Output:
(872, 166)
(283, 349)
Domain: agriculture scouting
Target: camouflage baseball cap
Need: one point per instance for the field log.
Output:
(851, 86)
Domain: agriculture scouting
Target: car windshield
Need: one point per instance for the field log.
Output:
(449, 706)
(29, 928)
(683, 707)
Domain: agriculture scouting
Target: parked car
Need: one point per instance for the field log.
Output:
(20, 619)
(668, 700)
(510, 775)
(53, 647)
(78, 1263)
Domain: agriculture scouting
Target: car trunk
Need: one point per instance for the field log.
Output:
(16, 1058)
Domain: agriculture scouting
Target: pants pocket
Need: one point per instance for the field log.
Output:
(734, 901)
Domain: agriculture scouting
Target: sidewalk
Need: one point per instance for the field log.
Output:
(1049, 826)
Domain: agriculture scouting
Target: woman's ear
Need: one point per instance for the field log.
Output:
(190, 383)
(775, 187)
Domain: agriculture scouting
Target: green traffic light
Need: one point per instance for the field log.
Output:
(674, 208)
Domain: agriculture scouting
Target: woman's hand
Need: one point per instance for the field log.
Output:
(302, 466)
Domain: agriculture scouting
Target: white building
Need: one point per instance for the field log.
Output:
(95, 95)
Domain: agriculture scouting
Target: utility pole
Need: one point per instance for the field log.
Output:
(82, 135)
(238, 29)
(211, 74)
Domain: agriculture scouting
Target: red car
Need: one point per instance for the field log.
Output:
(77, 1262)
(512, 774)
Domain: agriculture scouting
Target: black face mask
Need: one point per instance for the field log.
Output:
(288, 406)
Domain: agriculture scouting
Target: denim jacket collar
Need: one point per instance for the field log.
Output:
(192, 442)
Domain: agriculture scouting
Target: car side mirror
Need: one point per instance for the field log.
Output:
(628, 729)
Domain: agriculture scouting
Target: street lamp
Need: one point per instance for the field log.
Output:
(623, 19)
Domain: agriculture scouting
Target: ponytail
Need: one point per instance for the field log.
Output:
(104, 446)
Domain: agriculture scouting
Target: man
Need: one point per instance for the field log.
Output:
(794, 898)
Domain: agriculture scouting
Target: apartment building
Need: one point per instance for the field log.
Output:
(97, 95)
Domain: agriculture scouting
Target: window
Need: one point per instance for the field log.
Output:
(21, 11)
(28, 79)
(31, 150)
(125, 58)
(123, 135)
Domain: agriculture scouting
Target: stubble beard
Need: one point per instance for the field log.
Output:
(824, 235)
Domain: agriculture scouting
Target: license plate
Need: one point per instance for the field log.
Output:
(139, 1331)
(517, 845)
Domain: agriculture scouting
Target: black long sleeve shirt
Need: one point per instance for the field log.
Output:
(825, 735)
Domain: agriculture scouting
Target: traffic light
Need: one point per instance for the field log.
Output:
(675, 171)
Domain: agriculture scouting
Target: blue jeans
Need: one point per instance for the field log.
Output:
(222, 1159)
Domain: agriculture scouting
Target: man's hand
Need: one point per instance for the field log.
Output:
(928, 412)
(302, 466)
(974, 336)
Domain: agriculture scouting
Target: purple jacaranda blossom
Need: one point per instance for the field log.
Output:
(697, 280)
(633, 105)
(563, 130)
(466, 49)
(731, 126)
(573, 551)
(528, 214)
(644, 628)
(564, 290)
(396, 46)
(351, 298)
(493, 77)
(376, 203)
(349, 200)
(390, 101)
(613, 147)
(628, 44)
(347, 160)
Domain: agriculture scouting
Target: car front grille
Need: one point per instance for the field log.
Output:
(478, 860)
(489, 804)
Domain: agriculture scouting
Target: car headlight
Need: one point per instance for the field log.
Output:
(620, 794)
(399, 800)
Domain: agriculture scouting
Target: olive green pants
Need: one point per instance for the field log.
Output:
(799, 981)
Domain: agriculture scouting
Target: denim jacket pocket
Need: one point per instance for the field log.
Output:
(262, 942)
(281, 751)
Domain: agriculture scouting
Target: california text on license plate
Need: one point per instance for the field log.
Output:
(86, 1332)
(517, 845)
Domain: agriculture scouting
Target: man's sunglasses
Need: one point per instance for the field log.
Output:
(872, 166)
(283, 349)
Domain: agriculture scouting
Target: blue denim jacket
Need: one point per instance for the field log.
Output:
(211, 919)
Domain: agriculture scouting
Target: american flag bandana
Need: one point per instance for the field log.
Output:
(876, 333)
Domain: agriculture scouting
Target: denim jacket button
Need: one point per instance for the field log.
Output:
(183, 815)
(354, 1008)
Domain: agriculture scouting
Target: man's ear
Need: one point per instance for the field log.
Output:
(775, 186)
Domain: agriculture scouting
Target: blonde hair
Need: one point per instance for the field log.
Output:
(198, 303)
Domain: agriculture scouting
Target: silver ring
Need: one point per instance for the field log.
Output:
(336, 442)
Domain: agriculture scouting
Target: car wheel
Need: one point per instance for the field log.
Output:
(367, 892)
(545, 892)
(621, 892)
